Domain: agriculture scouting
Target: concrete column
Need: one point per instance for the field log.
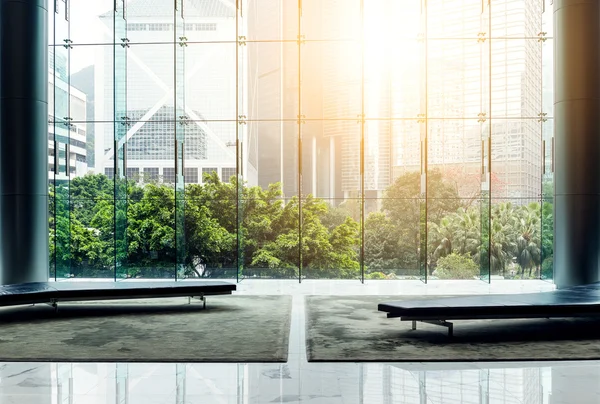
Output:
(577, 142)
(23, 141)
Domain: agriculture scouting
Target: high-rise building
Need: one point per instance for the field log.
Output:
(477, 71)
(295, 89)
(470, 80)
(66, 123)
(273, 91)
(180, 76)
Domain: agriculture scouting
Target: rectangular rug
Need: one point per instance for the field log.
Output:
(349, 328)
(238, 328)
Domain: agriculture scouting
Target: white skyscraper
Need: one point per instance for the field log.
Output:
(164, 56)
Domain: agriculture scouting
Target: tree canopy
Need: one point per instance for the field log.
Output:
(225, 225)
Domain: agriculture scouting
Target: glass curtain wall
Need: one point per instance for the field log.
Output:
(320, 139)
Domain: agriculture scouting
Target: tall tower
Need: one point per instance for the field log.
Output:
(273, 91)
(211, 93)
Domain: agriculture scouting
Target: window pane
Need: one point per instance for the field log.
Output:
(517, 19)
(322, 139)
(516, 78)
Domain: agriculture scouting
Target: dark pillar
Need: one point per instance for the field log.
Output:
(577, 142)
(23, 141)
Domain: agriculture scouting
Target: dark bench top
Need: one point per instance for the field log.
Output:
(43, 292)
(568, 302)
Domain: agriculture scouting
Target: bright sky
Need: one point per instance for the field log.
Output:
(86, 28)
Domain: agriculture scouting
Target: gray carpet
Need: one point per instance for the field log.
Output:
(349, 328)
(231, 329)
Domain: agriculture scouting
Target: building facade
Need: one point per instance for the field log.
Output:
(190, 90)
(66, 124)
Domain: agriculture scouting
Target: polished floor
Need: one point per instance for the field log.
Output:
(298, 381)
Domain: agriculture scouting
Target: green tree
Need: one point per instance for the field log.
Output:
(547, 240)
(456, 266)
(403, 203)
(382, 248)
(151, 229)
(528, 251)
(85, 194)
(458, 232)
(220, 214)
(335, 216)
(208, 245)
(325, 253)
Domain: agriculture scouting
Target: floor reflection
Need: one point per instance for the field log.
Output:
(298, 381)
(372, 383)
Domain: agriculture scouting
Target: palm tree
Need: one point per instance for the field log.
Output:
(467, 231)
(503, 235)
(501, 247)
(441, 236)
(529, 252)
(457, 232)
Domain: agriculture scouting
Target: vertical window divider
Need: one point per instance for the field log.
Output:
(552, 154)
(115, 159)
(489, 156)
(300, 216)
(176, 158)
(67, 160)
(238, 254)
(425, 141)
(482, 157)
(490, 126)
(56, 157)
(543, 157)
(362, 143)
(125, 160)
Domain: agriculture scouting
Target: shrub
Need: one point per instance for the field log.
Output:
(456, 266)
(548, 268)
(376, 275)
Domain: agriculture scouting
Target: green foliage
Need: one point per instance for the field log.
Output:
(85, 192)
(227, 224)
(404, 205)
(456, 266)
(375, 275)
(458, 232)
(382, 244)
(548, 268)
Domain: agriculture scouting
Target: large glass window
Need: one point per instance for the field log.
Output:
(379, 139)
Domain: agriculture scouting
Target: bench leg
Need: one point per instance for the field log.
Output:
(442, 323)
(53, 303)
(201, 297)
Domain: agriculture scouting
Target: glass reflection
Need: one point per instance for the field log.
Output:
(264, 139)
(109, 383)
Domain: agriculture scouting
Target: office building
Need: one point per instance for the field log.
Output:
(198, 100)
(66, 133)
